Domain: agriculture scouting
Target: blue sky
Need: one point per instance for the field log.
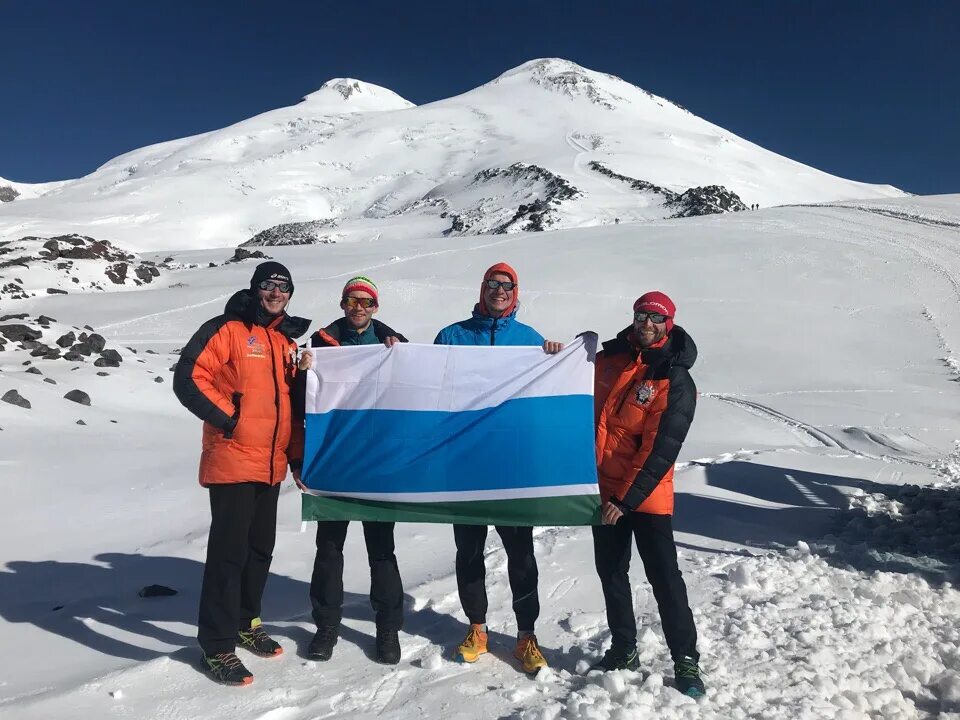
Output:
(864, 90)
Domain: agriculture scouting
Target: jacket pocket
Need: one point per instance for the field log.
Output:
(235, 418)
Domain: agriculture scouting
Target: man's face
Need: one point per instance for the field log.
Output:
(272, 299)
(354, 311)
(497, 299)
(647, 331)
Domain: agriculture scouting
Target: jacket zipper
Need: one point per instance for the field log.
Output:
(493, 331)
(276, 403)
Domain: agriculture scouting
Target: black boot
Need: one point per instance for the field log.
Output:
(614, 659)
(686, 673)
(321, 647)
(226, 669)
(388, 646)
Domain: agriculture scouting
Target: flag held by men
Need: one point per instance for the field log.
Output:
(452, 434)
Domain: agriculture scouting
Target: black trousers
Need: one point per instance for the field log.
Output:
(326, 585)
(521, 570)
(654, 538)
(243, 529)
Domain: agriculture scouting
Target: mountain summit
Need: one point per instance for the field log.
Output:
(351, 95)
(546, 145)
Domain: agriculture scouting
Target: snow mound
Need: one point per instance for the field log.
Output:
(349, 95)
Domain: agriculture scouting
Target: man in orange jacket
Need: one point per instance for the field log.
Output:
(235, 375)
(644, 403)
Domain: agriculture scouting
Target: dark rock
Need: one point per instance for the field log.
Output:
(73, 356)
(78, 396)
(707, 200)
(312, 232)
(34, 371)
(83, 348)
(46, 320)
(96, 342)
(15, 316)
(156, 591)
(15, 398)
(30, 344)
(240, 254)
(67, 339)
(8, 194)
(80, 422)
(102, 373)
(210, 265)
(117, 273)
(109, 358)
(87, 327)
(114, 422)
(56, 291)
(52, 354)
(158, 379)
(39, 350)
(50, 380)
(149, 352)
(15, 332)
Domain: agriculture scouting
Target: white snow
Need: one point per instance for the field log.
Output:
(818, 507)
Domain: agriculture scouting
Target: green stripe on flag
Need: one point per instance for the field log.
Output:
(570, 510)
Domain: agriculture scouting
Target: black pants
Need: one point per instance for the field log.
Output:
(326, 585)
(243, 529)
(521, 569)
(654, 538)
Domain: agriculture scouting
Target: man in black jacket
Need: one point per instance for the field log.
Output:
(360, 301)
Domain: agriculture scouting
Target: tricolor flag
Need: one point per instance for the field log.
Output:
(452, 434)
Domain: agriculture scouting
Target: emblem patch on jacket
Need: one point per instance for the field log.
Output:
(644, 393)
(255, 347)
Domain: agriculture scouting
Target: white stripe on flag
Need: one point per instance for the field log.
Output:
(374, 377)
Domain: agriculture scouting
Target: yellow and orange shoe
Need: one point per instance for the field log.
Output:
(529, 655)
(473, 646)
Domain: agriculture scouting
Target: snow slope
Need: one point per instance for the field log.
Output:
(817, 510)
(364, 159)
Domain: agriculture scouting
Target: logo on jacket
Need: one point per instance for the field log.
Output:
(255, 347)
(644, 393)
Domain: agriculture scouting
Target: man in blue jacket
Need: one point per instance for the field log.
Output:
(494, 322)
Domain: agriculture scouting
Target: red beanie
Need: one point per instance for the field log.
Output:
(502, 269)
(657, 302)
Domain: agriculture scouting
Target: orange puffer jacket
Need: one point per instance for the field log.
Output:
(644, 403)
(235, 375)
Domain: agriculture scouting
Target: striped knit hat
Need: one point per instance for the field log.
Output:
(361, 283)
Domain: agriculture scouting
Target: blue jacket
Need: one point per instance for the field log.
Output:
(484, 330)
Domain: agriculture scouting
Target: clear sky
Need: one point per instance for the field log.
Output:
(864, 90)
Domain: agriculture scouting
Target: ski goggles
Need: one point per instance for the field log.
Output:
(496, 284)
(269, 285)
(352, 302)
(656, 318)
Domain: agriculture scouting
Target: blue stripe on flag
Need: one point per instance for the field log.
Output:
(522, 443)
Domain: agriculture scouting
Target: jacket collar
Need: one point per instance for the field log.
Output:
(679, 349)
(243, 305)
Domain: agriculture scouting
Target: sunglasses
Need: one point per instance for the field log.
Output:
(656, 318)
(352, 302)
(269, 285)
(505, 284)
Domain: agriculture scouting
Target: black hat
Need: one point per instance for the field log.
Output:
(270, 271)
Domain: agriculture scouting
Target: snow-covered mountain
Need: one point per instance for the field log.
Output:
(548, 144)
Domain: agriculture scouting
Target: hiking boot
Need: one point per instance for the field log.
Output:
(321, 647)
(529, 655)
(473, 646)
(614, 659)
(686, 673)
(226, 669)
(257, 641)
(388, 646)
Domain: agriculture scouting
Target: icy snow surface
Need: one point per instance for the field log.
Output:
(817, 509)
